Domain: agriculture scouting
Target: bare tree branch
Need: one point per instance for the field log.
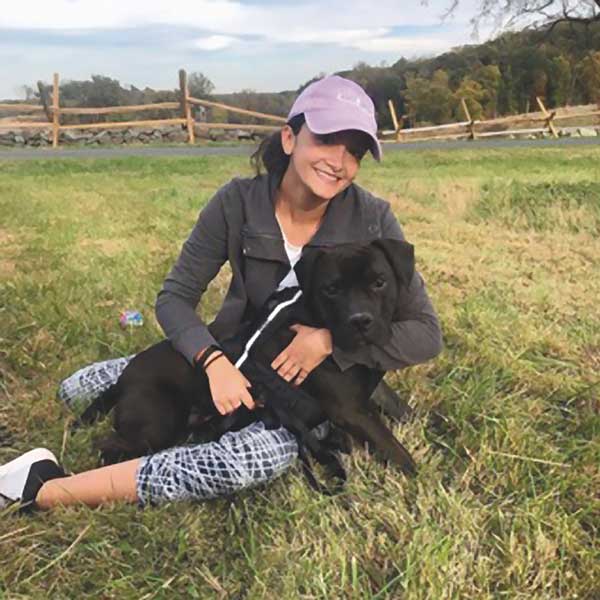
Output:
(505, 14)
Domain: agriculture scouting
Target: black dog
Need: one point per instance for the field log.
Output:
(351, 289)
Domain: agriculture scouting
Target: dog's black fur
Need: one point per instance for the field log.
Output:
(352, 290)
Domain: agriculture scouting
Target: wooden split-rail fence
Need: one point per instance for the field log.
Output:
(54, 112)
(543, 121)
(469, 129)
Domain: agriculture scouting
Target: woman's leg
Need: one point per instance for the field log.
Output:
(85, 385)
(114, 483)
(238, 460)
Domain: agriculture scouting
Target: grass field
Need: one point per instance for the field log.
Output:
(507, 418)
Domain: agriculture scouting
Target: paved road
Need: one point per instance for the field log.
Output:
(244, 150)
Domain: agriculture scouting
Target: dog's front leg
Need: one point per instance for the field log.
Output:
(344, 397)
(366, 426)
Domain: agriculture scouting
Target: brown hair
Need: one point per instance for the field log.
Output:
(270, 154)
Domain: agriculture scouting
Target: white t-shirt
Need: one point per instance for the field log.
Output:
(293, 253)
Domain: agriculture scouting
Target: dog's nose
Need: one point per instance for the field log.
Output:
(362, 321)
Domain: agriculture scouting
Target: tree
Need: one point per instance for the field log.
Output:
(505, 14)
(199, 85)
(589, 71)
(429, 100)
(489, 77)
(539, 87)
(474, 95)
(560, 81)
(28, 92)
(507, 97)
(100, 91)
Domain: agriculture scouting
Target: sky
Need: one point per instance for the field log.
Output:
(263, 45)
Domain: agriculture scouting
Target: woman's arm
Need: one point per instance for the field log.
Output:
(417, 337)
(201, 257)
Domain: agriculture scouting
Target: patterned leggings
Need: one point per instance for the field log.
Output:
(195, 472)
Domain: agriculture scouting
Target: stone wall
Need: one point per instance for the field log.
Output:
(176, 134)
(144, 135)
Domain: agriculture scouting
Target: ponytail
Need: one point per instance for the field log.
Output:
(270, 154)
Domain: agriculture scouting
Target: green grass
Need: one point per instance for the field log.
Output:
(507, 422)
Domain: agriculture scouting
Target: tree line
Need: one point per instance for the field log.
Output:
(559, 63)
(499, 77)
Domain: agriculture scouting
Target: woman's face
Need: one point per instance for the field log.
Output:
(326, 164)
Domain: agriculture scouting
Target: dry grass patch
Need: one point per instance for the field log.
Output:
(7, 268)
(108, 247)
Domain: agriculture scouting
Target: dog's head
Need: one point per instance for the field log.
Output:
(353, 289)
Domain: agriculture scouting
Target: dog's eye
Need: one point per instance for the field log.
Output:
(379, 283)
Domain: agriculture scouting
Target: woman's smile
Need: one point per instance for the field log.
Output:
(327, 176)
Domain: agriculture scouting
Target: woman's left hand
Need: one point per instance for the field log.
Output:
(309, 348)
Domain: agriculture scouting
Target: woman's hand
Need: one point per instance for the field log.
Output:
(309, 348)
(228, 387)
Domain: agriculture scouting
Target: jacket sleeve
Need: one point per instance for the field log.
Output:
(201, 257)
(416, 338)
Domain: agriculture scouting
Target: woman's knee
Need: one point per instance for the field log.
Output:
(238, 460)
(261, 454)
(82, 387)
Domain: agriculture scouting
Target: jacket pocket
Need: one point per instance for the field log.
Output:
(265, 264)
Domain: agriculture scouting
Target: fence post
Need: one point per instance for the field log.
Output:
(399, 136)
(549, 117)
(185, 105)
(55, 111)
(397, 125)
(471, 124)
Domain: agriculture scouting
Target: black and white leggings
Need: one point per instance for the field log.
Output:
(195, 472)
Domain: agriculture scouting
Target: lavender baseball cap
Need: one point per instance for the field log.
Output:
(337, 104)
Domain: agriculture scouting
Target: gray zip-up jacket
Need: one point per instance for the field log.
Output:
(238, 225)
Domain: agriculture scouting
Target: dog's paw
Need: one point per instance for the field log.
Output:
(338, 440)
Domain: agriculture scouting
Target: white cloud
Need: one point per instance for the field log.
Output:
(327, 36)
(88, 14)
(409, 46)
(213, 42)
(286, 42)
(225, 17)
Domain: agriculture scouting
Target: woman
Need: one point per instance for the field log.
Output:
(259, 226)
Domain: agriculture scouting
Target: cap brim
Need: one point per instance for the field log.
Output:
(319, 126)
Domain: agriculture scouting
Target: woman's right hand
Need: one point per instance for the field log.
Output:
(228, 387)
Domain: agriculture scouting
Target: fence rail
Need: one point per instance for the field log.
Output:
(54, 112)
(22, 107)
(509, 125)
(107, 110)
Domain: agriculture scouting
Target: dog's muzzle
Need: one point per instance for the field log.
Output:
(362, 321)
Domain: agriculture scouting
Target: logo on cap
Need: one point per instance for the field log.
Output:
(352, 99)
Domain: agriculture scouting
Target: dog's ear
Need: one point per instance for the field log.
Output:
(401, 256)
(304, 268)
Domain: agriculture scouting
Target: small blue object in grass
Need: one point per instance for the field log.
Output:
(131, 318)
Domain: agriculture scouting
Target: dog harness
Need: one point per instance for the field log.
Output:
(269, 319)
(281, 397)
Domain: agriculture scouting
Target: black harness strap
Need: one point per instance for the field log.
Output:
(281, 398)
(284, 399)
